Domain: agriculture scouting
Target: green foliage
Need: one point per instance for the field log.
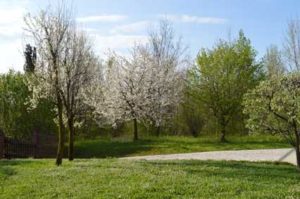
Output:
(190, 118)
(42, 117)
(111, 178)
(222, 76)
(30, 58)
(15, 118)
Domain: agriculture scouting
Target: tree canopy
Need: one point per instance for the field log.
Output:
(222, 76)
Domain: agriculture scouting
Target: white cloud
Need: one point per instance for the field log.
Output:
(194, 19)
(13, 58)
(11, 20)
(11, 15)
(11, 24)
(119, 43)
(90, 30)
(131, 27)
(101, 18)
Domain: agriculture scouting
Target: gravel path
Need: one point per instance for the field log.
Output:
(282, 155)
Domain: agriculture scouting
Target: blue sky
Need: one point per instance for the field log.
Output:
(118, 24)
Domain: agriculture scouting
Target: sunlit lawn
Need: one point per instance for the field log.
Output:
(113, 178)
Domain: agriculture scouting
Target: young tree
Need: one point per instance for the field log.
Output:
(165, 77)
(80, 67)
(224, 75)
(273, 62)
(125, 93)
(65, 66)
(273, 107)
(144, 87)
(48, 30)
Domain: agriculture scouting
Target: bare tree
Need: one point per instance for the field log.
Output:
(292, 44)
(273, 61)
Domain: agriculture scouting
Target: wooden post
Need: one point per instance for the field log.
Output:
(1, 144)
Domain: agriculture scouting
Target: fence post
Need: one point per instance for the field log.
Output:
(36, 143)
(1, 144)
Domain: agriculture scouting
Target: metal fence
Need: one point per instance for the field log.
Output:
(41, 146)
(18, 149)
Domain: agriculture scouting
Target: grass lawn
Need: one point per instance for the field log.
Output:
(113, 178)
(121, 147)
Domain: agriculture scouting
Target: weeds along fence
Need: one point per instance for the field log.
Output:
(40, 146)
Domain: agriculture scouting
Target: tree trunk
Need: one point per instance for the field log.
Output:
(61, 129)
(194, 133)
(71, 139)
(297, 149)
(223, 132)
(2, 140)
(223, 125)
(135, 130)
(298, 156)
(157, 131)
(61, 134)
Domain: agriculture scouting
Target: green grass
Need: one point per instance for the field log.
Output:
(113, 178)
(119, 147)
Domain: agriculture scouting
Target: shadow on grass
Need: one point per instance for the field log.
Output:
(105, 148)
(22, 162)
(6, 171)
(7, 167)
(100, 148)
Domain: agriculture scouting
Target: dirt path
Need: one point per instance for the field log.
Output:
(282, 155)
